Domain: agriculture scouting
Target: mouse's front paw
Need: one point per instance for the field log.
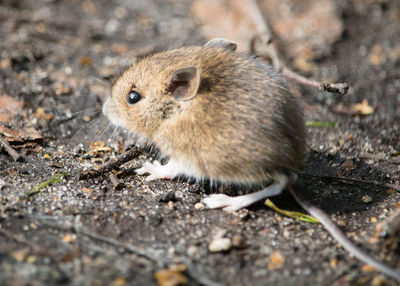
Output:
(155, 169)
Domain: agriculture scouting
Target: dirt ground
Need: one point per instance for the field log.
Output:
(57, 60)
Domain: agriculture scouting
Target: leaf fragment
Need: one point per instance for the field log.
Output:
(39, 188)
(292, 214)
(320, 124)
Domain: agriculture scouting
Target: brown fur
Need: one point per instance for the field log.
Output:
(242, 126)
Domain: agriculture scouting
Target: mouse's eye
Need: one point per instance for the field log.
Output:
(133, 97)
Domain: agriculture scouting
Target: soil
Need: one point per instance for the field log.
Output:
(58, 60)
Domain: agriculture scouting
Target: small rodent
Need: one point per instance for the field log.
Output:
(221, 116)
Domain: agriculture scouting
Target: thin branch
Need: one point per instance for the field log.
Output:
(263, 44)
(114, 164)
(10, 150)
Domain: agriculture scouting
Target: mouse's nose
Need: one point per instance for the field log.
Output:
(110, 110)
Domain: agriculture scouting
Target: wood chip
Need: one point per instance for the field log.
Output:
(170, 277)
(362, 108)
(69, 237)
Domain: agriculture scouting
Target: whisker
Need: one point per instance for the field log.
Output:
(113, 134)
(87, 129)
(101, 131)
(100, 80)
(89, 110)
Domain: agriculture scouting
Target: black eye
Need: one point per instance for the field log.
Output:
(133, 97)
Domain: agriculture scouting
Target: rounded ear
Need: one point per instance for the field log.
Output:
(184, 83)
(222, 43)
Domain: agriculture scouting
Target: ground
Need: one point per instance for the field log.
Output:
(58, 59)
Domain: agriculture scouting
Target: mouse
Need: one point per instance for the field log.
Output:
(217, 115)
(221, 116)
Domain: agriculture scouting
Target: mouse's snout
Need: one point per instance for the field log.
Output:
(110, 110)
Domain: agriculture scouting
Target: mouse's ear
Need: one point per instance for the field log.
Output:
(222, 43)
(184, 83)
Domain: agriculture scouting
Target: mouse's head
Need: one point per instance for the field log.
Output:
(144, 97)
(154, 89)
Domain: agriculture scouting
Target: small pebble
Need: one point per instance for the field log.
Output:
(199, 206)
(366, 199)
(220, 244)
(193, 250)
(167, 197)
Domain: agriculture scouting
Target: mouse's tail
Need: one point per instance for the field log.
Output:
(334, 230)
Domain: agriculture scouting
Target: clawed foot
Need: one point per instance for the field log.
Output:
(229, 204)
(156, 171)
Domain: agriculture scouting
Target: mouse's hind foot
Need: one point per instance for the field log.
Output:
(231, 204)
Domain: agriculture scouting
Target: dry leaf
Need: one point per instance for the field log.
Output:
(99, 146)
(367, 268)
(69, 237)
(170, 277)
(85, 61)
(21, 137)
(119, 281)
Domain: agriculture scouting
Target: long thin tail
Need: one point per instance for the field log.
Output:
(334, 230)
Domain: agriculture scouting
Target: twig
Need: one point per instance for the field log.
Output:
(100, 169)
(149, 254)
(263, 44)
(10, 150)
(348, 180)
